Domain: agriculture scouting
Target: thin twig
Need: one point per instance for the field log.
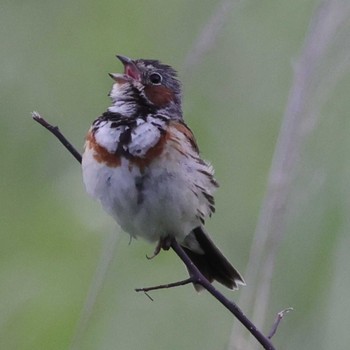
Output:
(196, 276)
(278, 320)
(166, 286)
(56, 131)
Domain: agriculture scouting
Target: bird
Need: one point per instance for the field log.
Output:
(142, 163)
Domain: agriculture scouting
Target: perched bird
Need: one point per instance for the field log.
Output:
(142, 162)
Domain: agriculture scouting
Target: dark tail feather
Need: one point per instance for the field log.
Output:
(212, 264)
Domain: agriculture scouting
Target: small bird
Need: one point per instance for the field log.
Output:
(142, 162)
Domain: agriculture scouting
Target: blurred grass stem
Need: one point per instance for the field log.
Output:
(298, 122)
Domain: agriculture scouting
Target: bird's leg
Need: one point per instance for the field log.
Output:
(163, 243)
(166, 242)
(156, 250)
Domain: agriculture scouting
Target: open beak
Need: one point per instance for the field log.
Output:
(130, 68)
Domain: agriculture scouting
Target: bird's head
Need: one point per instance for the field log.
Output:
(149, 84)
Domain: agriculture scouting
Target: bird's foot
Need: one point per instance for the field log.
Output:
(163, 243)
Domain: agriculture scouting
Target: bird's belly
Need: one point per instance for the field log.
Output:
(152, 204)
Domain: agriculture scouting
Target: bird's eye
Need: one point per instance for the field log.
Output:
(155, 78)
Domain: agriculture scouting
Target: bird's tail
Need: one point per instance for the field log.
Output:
(210, 261)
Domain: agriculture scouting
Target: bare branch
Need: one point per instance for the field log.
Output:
(196, 275)
(56, 131)
(166, 286)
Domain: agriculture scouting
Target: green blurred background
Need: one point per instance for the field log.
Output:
(67, 275)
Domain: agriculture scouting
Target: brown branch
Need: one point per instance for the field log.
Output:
(230, 305)
(56, 131)
(166, 286)
(196, 275)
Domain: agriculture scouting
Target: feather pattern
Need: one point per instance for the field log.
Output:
(142, 162)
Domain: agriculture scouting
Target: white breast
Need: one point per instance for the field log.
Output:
(143, 137)
(163, 200)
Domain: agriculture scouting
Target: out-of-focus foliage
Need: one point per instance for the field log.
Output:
(55, 242)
